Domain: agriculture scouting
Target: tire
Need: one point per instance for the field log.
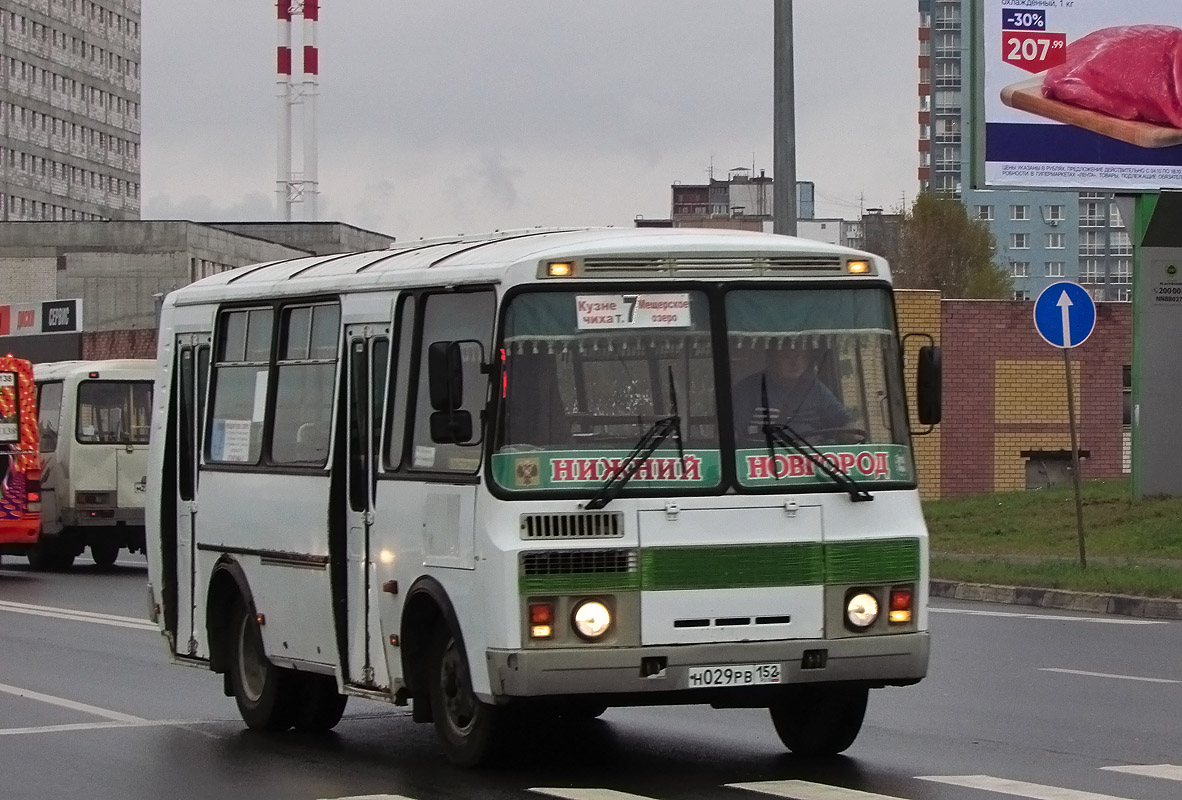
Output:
(820, 720)
(469, 730)
(45, 557)
(264, 692)
(104, 554)
(319, 706)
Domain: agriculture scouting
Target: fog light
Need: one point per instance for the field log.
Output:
(861, 610)
(540, 632)
(592, 619)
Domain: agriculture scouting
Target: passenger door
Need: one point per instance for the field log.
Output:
(191, 382)
(368, 364)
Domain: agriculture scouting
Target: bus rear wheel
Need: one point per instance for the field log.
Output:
(319, 706)
(468, 729)
(104, 554)
(820, 720)
(264, 692)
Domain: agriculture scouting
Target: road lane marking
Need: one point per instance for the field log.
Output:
(368, 797)
(805, 790)
(1106, 675)
(1055, 617)
(77, 615)
(97, 726)
(1169, 772)
(115, 716)
(589, 794)
(1035, 791)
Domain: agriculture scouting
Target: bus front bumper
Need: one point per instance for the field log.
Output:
(897, 659)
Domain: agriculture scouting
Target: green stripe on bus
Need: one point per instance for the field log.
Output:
(876, 561)
(746, 567)
(737, 567)
(580, 583)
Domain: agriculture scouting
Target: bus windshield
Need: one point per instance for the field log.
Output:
(587, 374)
(822, 365)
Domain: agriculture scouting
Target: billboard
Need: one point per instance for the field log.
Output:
(34, 319)
(1082, 94)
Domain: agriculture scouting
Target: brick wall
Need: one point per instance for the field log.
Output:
(136, 343)
(920, 312)
(1005, 394)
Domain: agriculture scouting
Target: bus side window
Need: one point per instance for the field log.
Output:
(454, 317)
(240, 386)
(49, 414)
(400, 383)
(304, 394)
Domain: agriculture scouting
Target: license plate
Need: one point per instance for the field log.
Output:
(736, 675)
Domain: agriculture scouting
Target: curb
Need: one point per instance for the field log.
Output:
(1118, 604)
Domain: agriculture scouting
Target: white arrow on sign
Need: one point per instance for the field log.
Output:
(1064, 305)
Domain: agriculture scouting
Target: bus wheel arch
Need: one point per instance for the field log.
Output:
(227, 586)
(427, 611)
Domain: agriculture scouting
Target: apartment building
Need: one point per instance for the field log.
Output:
(69, 109)
(1042, 236)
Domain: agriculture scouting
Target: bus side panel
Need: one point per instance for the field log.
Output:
(274, 526)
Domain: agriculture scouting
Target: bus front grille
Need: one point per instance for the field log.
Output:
(578, 562)
(604, 525)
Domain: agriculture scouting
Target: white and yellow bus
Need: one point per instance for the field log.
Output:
(506, 475)
(95, 418)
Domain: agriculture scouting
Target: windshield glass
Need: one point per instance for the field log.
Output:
(824, 365)
(587, 374)
(114, 412)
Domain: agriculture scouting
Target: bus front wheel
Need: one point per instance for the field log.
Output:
(263, 691)
(820, 720)
(468, 729)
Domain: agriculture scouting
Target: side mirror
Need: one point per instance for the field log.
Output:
(929, 383)
(451, 427)
(445, 377)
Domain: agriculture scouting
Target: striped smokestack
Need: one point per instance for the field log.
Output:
(311, 90)
(283, 91)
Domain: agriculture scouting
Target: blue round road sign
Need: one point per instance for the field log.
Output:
(1064, 314)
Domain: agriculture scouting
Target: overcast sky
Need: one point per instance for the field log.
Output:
(464, 116)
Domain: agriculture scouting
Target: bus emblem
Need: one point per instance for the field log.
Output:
(527, 471)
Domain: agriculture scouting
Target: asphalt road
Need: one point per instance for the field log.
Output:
(1056, 706)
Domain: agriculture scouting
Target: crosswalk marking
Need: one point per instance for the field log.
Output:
(1169, 772)
(589, 794)
(370, 797)
(805, 790)
(1035, 791)
(1106, 675)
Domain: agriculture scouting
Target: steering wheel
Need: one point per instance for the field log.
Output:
(844, 435)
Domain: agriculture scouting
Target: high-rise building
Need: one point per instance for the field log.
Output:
(1042, 236)
(69, 109)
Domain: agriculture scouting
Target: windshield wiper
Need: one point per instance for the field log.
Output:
(657, 433)
(782, 434)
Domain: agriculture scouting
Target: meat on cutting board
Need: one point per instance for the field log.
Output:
(1131, 72)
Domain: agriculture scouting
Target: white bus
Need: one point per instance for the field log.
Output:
(507, 475)
(95, 418)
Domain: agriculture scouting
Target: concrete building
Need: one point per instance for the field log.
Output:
(321, 238)
(1042, 236)
(69, 109)
(117, 271)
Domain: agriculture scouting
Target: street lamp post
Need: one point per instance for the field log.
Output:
(784, 125)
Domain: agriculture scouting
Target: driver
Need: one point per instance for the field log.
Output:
(795, 395)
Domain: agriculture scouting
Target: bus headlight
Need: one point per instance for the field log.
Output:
(861, 610)
(591, 619)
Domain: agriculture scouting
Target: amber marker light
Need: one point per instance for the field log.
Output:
(541, 620)
(858, 267)
(560, 269)
(900, 606)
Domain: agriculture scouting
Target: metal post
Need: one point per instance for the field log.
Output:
(784, 125)
(1083, 558)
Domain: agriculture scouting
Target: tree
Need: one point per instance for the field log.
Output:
(941, 247)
